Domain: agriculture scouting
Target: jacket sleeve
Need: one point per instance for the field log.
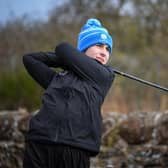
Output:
(84, 66)
(38, 66)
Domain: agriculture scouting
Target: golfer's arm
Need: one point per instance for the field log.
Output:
(38, 66)
(81, 64)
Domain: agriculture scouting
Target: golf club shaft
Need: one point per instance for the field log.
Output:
(140, 80)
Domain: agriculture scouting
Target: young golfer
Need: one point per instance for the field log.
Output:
(66, 131)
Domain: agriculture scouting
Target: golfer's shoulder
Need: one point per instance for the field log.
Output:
(109, 72)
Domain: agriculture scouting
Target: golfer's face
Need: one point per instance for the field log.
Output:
(100, 52)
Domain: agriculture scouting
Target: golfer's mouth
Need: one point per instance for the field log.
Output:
(100, 59)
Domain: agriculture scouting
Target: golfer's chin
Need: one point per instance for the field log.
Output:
(100, 61)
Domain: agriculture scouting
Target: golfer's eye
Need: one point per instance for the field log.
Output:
(103, 45)
(108, 49)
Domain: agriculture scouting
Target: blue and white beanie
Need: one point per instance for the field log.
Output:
(93, 33)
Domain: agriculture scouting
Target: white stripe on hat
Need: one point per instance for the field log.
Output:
(93, 29)
(91, 34)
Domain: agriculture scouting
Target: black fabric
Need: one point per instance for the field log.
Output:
(71, 103)
(38, 64)
(39, 155)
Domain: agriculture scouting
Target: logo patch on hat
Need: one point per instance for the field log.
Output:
(103, 36)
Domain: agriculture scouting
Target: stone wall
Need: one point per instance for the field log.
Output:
(13, 125)
(133, 140)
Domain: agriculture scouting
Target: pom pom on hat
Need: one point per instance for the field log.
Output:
(93, 33)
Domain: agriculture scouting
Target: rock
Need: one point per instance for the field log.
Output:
(23, 123)
(147, 156)
(137, 128)
(111, 126)
(161, 133)
(11, 154)
(6, 126)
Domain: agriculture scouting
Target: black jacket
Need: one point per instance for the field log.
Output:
(70, 112)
